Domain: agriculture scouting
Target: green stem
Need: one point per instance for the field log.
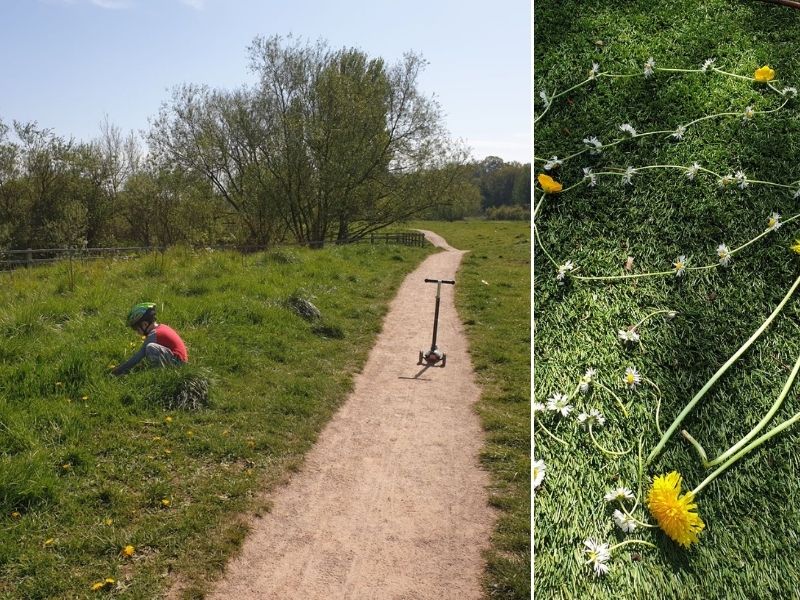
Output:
(652, 314)
(763, 422)
(536, 208)
(721, 72)
(698, 448)
(752, 446)
(639, 477)
(688, 408)
(632, 276)
(567, 91)
(658, 404)
(637, 521)
(621, 544)
(604, 450)
(619, 402)
(538, 239)
(548, 432)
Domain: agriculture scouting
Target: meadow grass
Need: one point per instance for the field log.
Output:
(492, 295)
(90, 463)
(751, 512)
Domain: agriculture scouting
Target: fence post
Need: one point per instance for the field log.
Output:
(29, 258)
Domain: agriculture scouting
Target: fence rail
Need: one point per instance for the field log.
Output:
(10, 259)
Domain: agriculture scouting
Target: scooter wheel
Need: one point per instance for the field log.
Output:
(419, 362)
(444, 360)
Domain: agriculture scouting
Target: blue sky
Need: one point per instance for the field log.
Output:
(68, 63)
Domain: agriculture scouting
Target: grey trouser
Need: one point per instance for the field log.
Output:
(160, 356)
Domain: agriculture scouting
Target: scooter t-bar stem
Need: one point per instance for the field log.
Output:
(438, 283)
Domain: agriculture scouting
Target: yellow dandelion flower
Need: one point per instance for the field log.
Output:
(796, 246)
(15, 515)
(165, 502)
(109, 521)
(66, 466)
(676, 515)
(189, 433)
(549, 185)
(764, 74)
(110, 581)
(98, 585)
(84, 397)
(128, 551)
(49, 542)
(167, 419)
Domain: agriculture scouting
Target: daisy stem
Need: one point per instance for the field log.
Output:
(679, 70)
(632, 276)
(536, 208)
(626, 542)
(652, 314)
(763, 422)
(538, 239)
(604, 450)
(721, 72)
(752, 446)
(658, 404)
(639, 478)
(688, 408)
(619, 402)
(637, 521)
(568, 90)
(551, 434)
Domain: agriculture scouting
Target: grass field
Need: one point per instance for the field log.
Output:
(87, 461)
(493, 299)
(751, 512)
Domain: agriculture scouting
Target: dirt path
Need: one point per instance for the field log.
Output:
(391, 502)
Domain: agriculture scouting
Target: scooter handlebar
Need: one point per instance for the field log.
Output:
(450, 281)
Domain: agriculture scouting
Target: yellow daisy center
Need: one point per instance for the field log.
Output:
(630, 379)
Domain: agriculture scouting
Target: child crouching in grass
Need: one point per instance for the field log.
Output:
(162, 346)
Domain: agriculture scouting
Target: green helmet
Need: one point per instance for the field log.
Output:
(143, 310)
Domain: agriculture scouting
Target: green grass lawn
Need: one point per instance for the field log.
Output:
(87, 460)
(751, 512)
(493, 300)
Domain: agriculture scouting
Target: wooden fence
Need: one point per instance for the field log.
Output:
(11, 259)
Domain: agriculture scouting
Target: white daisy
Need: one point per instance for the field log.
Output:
(789, 91)
(587, 174)
(587, 380)
(679, 132)
(680, 265)
(627, 128)
(545, 99)
(619, 494)
(624, 522)
(749, 113)
(553, 163)
(594, 418)
(648, 67)
(692, 171)
(628, 335)
(539, 469)
(741, 178)
(672, 314)
(593, 143)
(594, 71)
(628, 175)
(631, 378)
(598, 556)
(724, 255)
(726, 180)
(774, 222)
(563, 270)
(538, 407)
(559, 403)
(707, 64)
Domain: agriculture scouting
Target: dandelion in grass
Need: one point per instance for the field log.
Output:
(597, 556)
(16, 515)
(539, 470)
(764, 74)
(707, 64)
(628, 336)
(545, 99)
(627, 176)
(679, 132)
(692, 171)
(165, 502)
(796, 246)
(549, 185)
(724, 255)
(625, 522)
(680, 265)
(559, 403)
(627, 128)
(749, 113)
(594, 418)
(631, 378)
(789, 92)
(594, 71)
(676, 515)
(128, 551)
(774, 222)
(741, 179)
(649, 66)
(587, 380)
(563, 271)
(620, 494)
(587, 174)
(553, 163)
(595, 145)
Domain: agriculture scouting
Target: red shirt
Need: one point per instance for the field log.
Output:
(166, 336)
